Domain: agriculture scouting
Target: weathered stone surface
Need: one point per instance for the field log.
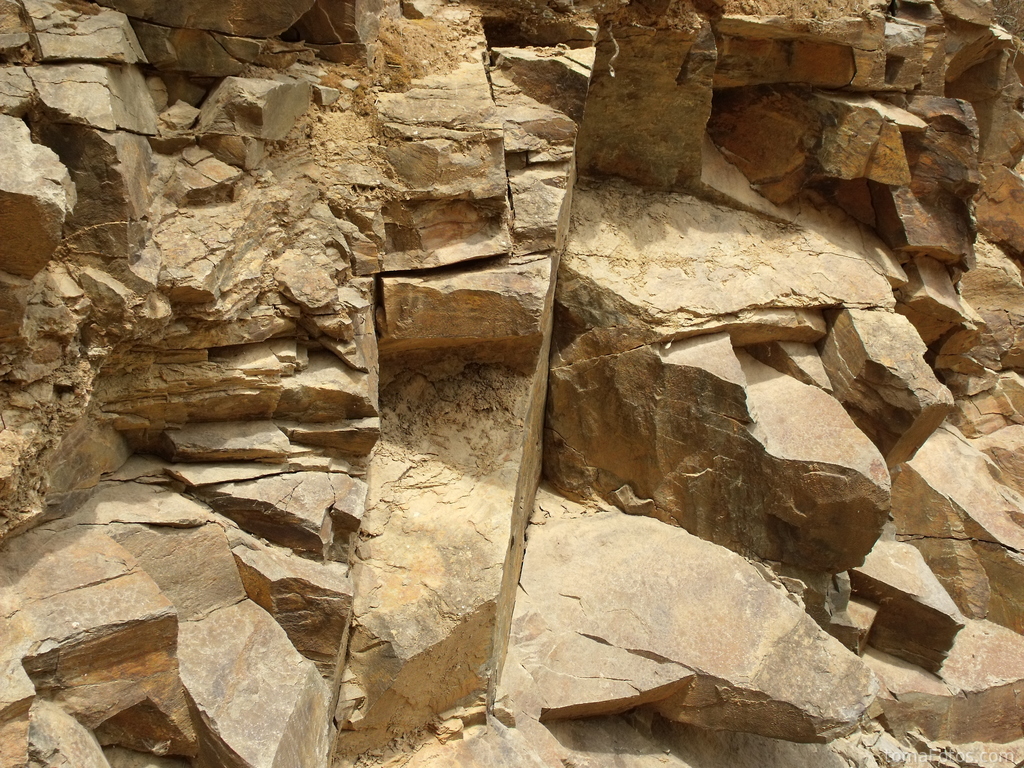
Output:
(343, 31)
(195, 51)
(136, 502)
(698, 272)
(275, 714)
(56, 739)
(106, 97)
(489, 304)
(930, 301)
(63, 33)
(665, 75)
(916, 621)
(36, 194)
(202, 180)
(355, 437)
(261, 109)
(998, 204)
(548, 76)
(580, 575)
(125, 758)
(293, 510)
(986, 667)
(995, 289)
(793, 358)
(875, 361)
(948, 502)
(226, 441)
(16, 91)
(326, 390)
(97, 636)
(730, 434)
(1005, 447)
(311, 601)
(262, 21)
(193, 567)
(911, 698)
(988, 402)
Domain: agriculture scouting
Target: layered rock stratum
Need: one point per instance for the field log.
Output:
(511, 384)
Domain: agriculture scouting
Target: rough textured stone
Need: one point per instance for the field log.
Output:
(327, 390)
(36, 194)
(580, 576)
(729, 435)
(63, 33)
(998, 203)
(56, 739)
(261, 109)
(275, 715)
(226, 441)
(262, 21)
(911, 698)
(875, 361)
(1005, 447)
(106, 97)
(916, 621)
(931, 302)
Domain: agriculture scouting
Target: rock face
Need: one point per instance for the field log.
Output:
(536, 384)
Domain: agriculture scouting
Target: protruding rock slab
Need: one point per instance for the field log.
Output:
(36, 195)
(220, 15)
(311, 601)
(262, 109)
(733, 652)
(917, 620)
(948, 502)
(911, 698)
(664, 75)
(293, 510)
(738, 454)
(876, 363)
(108, 97)
(994, 287)
(226, 441)
(260, 704)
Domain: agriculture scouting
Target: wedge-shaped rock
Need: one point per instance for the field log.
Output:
(326, 390)
(701, 268)
(136, 502)
(948, 502)
(271, 716)
(16, 91)
(911, 698)
(917, 620)
(986, 668)
(262, 109)
(221, 15)
(293, 510)
(56, 739)
(665, 75)
(107, 97)
(1005, 447)
(930, 301)
(876, 363)
(689, 433)
(226, 441)
(311, 601)
(97, 636)
(63, 33)
(998, 204)
(487, 304)
(993, 287)
(732, 654)
(196, 51)
(793, 358)
(36, 195)
(193, 567)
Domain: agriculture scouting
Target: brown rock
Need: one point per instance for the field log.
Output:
(639, 72)
(355, 437)
(974, 11)
(549, 76)
(63, 33)
(997, 207)
(125, 758)
(1005, 447)
(261, 109)
(793, 358)
(293, 510)
(911, 699)
(579, 578)
(948, 502)
(715, 419)
(916, 621)
(36, 194)
(56, 739)
(930, 301)
(273, 715)
(226, 441)
(875, 361)
(311, 601)
(195, 51)
(327, 390)
(219, 15)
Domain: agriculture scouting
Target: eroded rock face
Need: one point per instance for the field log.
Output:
(731, 434)
(727, 656)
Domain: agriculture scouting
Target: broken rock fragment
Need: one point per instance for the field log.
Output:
(261, 109)
(875, 361)
(108, 97)
(733, 654)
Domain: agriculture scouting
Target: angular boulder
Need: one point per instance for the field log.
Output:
(261, 109)
(732, 654)
(220, 15)
(108, 97)
(226, 441)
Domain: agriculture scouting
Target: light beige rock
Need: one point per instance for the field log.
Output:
(326, 390)
(911, 697)
(106, 97)
(63, 33)
(1001, 193)
(136, 502)
(986, 667)
(36, 195)
(995, 289)
(355, 437)
(274, 715)
(311, 601)
(875, 361)
(193, 567)
(917, 620)
(930, 301)
(794, 358)
(56, 739)
(226, 441)
(988, 403)
(948, 502)
(664, 75)
(741, 640)
(688, 432)
(698, 271)
(263, 21)
(16, 91)
(1005, 447)
(261, 109)
(489, 304)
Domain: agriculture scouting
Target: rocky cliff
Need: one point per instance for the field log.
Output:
(511, 384)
